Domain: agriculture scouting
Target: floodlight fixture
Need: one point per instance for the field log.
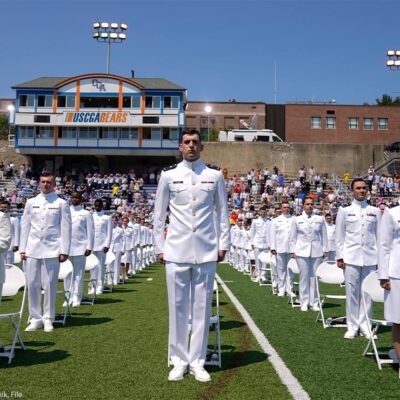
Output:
(105, 25)
(96, 25)
(114, 25)
(124, 27)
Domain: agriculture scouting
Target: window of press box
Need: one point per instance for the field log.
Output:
(126, 101)
(153, 101)
(41, 118)
(26, 100)
(67, 132)
(45, 132)
(109, 133)
(26, 132)
(171, 102)
(170, 134)
(129, 133)
(66, 101)
(150, 120)
(88, 133)
(99, 102)
(146, 133)
(45, 100)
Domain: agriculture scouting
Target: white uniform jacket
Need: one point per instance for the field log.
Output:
(15, 232)
(5, 240)
(199, 221)
(128, 233)
(330, 230)
(118, 240)
(102, 231)
(234, 234)
(135, 234)
(308, 236)
(259, 232)
(356, 234)
(280, 232)
(46, 227)
(389, 244)
(82, 236)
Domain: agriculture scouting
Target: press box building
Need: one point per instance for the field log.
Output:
(99, 120)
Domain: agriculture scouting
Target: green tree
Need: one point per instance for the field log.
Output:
(3, 126)
(387, 100)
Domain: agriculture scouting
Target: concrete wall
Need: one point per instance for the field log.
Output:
(326, 158)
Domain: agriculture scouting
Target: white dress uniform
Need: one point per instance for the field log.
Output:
(127, 256)
(45, 234)
(331, 230)
(102, 239)
(117, 247)
(388, 261)
(198, 229)
(356, 244)
(135, 246)
(142, 262)
(15, 234)
(260, 239)
(241, 246)
(279, 238)
(82, 238)
(308, 240)
(5, 240)
(234, 235)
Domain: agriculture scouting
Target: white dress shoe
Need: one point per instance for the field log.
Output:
(90, 291)
(99, 292)
(367, 335)
(315, 308)
(177, 373)
(304, 308)
(76, 304)
(350, 334)
(34, 326)
(281, 293)
(48, 326)
(200, 374)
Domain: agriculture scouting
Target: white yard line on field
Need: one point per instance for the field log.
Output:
(284, 373)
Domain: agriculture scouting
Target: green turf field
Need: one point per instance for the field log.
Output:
(117, 349)
(327, 366)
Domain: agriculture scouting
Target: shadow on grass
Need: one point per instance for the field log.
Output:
(103, 300)
(31, 356)
(225, 325)
(74, 322)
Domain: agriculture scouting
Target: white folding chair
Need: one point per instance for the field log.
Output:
(294, 269)
(109, 273)
(14, 281)
(91, 262)
(66, 269)
(330, 274)
(371, 287)
(265, 259)
(214, 354)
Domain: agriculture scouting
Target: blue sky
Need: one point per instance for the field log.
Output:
(218, 50)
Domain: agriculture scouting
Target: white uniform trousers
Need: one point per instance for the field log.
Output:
(98, 272)
(10, 257)
(258, 263)
(116, 268)
(190, 289)
(283, 274)
(78, 263)
(134, 264)
(42, 273)
(355, 315)
(127, 259)
(307, 268)
(392, 301)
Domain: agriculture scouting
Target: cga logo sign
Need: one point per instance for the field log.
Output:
(97, 117)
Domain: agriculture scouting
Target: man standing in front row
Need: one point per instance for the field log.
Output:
(198, 237)
(44, 244)
(356, 253)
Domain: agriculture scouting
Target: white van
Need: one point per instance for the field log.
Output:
(249, 135)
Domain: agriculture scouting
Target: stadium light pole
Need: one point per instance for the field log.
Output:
(208, 110)
(109, 33)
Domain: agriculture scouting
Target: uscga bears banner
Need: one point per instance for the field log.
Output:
(97, 117)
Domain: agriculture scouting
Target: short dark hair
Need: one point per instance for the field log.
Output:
(355, 181)
(98, 201)
(46, 173)
(188, 131)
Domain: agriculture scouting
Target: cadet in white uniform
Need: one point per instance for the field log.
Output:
(5, 240)
(259, 231)
(126, 259)
(82, 238)
(102, 243)
(389, 269)
(15, 232)
(356, 252)
(198, 237)
(330, 230)
(118, 248)
(45, 242)
(308, 244)
(280, 231)
(135, 244)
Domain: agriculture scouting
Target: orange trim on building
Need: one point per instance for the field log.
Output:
(78, 96)
(80, 77)
(140, 136)
(143, 102)
(56, 136)
(120, 98)
(55, 101)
